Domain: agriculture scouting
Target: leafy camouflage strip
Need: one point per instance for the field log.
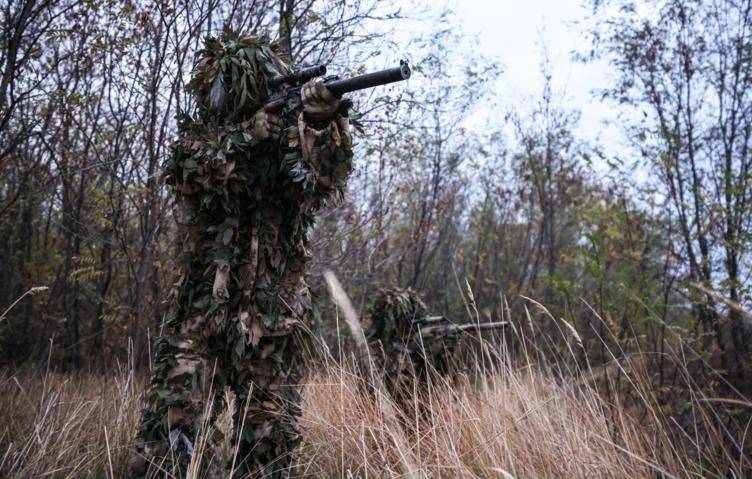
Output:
(236, 328)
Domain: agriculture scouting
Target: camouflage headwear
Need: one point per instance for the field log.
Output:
(394, 312)
(246, 64)
(235, 330)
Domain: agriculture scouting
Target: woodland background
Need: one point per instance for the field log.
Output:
(639, 254)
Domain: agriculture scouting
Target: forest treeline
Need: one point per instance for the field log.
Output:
(647, 251)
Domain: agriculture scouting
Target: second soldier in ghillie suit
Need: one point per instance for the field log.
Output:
(247, 185)
(410, 345)
(395, 315)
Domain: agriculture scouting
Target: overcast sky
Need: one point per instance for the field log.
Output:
(513, 31)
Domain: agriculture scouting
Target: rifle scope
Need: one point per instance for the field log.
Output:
(298, 77)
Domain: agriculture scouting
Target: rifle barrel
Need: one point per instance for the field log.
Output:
(456, 328)
(369, 80)
(430, 320)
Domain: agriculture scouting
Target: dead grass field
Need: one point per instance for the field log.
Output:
(521, 415)
(517, 422)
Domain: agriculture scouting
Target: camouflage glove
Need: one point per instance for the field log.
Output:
(267, 125)
(319, 104)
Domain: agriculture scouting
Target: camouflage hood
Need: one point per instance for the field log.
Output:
(393, 314)
(230, 78)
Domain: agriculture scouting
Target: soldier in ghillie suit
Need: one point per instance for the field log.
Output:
(247, 184)
(392, 338)
(408, 344)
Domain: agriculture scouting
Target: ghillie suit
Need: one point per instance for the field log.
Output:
(230, 358)
(408, 344)
(395, 315)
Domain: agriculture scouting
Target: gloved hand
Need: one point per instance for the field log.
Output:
(319, 104)
(267, 125)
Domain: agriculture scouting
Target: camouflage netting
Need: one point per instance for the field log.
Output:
(238, 320)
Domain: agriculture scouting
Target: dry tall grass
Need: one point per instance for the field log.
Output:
(71, 426)
(506, 417)
(508, 422)
(512, 422)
